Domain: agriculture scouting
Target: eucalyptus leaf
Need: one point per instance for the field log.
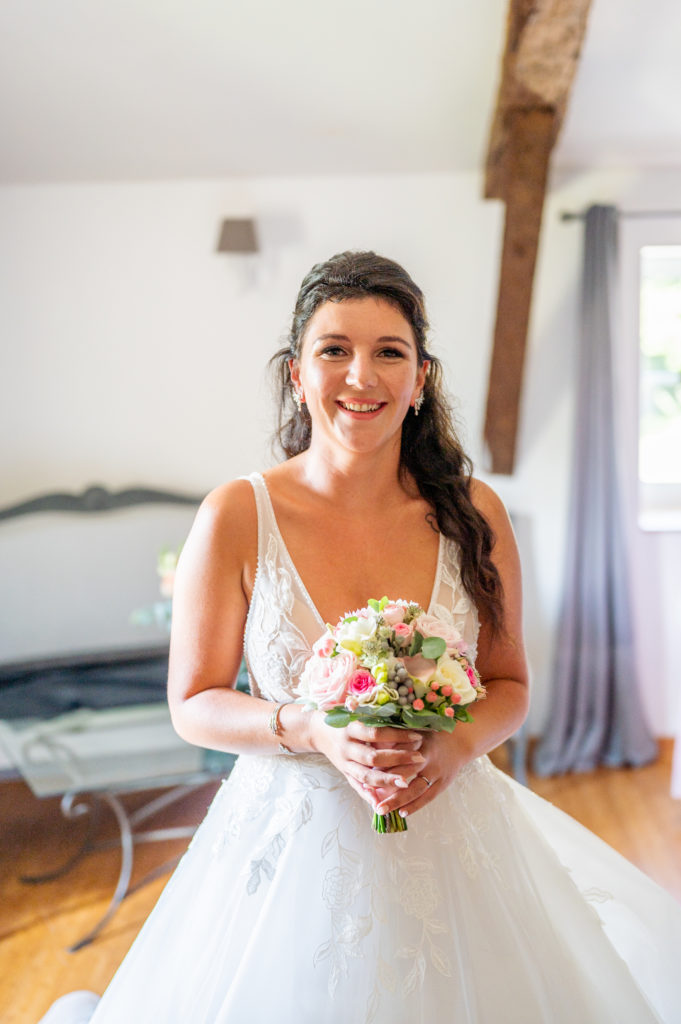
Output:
(338, 718)
(433, 647)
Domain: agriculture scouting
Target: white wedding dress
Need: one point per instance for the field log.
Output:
(493, 908)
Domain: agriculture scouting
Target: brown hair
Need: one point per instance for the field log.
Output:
(431, 452)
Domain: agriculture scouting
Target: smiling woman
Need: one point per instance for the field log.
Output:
(441, 921)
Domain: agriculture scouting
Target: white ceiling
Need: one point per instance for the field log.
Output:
(152, 89)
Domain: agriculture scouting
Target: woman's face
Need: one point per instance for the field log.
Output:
(358, 372)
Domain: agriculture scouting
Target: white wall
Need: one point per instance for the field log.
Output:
(132, 353)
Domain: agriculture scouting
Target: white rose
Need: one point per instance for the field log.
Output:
(361, 629)
(450, 673)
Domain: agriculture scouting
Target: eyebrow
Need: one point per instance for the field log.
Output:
(385, 338)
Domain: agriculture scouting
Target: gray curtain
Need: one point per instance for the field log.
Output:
(595, 711)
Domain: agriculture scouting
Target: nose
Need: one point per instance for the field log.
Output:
(361, 371)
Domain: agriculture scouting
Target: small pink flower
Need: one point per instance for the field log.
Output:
(434, 685)
(361, 682)
(352, 703)
(456, 698)
(418, 704)
(470, 672)
(446, 691)
(431, 696)
(167, 584)
(449, 712)
(393, 614)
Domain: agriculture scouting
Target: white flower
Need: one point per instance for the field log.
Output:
(450, 673)
(359, 630)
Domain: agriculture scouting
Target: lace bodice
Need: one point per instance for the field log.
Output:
(283, 622)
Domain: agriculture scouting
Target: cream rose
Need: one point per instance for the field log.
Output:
(450, 673)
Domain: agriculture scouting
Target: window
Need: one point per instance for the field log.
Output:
(659, 434)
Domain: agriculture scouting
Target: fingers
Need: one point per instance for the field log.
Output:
(374, 777)
(417, 795)
(384, 736)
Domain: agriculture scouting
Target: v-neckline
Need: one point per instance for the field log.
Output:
(301, 584)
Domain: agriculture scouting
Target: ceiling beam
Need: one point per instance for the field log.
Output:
(543, 43)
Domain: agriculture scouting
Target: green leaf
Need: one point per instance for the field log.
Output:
(433, 647)
(416, 643)
(338, 718)
(373, 603)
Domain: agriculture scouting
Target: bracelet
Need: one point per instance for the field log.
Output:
(275, 728)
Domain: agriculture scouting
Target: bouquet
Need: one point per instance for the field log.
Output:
(390, 663)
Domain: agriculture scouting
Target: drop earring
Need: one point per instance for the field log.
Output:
(296, 398)
(418, 402)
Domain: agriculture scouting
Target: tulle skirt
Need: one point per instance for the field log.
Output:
(493, 907)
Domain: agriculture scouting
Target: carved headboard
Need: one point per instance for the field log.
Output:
(73, 569)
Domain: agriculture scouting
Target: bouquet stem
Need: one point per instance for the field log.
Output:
(392, 822)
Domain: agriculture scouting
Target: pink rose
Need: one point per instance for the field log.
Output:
(428, 625)
(403, 632)
(324, 646)
(324, 681)
(361, 682)
(393, 614)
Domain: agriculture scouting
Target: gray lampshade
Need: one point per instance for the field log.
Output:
(237, 235)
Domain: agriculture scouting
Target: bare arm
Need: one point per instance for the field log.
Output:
(503, 668)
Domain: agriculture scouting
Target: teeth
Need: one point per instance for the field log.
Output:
(357, 407)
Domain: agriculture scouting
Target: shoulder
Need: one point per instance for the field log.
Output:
(488, 502)
(226, 523)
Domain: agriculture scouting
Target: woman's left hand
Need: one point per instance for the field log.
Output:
(445, 755)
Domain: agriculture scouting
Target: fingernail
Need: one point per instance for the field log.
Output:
(419, 758)
(401, 783)
(415, 736)
(402, 813)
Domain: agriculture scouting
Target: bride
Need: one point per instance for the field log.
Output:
(493, 906)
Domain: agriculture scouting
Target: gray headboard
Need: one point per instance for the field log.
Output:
(75, 566)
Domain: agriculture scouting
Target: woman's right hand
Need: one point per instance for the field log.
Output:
(369, 756)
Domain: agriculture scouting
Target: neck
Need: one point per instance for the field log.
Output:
(353, 480)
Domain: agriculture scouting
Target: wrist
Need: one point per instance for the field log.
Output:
(295, 730)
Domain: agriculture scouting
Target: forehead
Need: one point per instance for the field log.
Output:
(359, 319)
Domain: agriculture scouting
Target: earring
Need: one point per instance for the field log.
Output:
(418, 402)
(296, 398)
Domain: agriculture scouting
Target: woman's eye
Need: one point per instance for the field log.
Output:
(332, 350)
(392, 353)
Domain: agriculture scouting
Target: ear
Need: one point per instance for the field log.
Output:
(421, 375)
(294, 370)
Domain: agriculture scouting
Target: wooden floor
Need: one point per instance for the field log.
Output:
(630, 809)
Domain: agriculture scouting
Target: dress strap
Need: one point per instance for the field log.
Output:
(264, 511)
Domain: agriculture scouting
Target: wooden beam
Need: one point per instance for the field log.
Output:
(530, 139)
(543, 43)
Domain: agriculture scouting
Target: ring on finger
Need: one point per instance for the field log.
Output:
(427, 781)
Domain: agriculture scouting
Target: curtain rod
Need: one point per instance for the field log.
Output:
(627, 214)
